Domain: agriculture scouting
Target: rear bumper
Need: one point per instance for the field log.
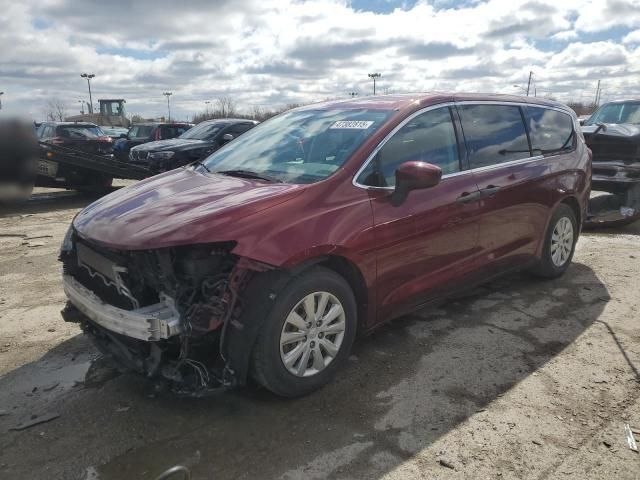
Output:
(151, 323)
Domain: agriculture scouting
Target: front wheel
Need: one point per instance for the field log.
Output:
(559, 243)
(307, 336)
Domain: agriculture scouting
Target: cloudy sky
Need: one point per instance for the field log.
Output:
(271, 53)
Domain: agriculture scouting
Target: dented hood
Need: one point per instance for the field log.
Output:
(177, 208)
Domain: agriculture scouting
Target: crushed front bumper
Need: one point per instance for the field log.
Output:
(151, 323)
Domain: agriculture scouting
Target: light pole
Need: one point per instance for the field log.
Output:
(207, 102)
(529, 84)
(524, 90)
(168, 94)
(374, 76)
(1, 93)
(353, 94)
(81, 102)
(89, 76)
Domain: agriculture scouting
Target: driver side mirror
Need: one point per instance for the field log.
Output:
(226, 138)
(414, 176)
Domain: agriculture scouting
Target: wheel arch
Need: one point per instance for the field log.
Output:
(266, 285)
(573, 203)
(351, 273)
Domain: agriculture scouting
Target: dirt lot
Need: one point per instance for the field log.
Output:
(519, 379)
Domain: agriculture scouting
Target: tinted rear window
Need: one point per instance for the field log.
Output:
(550, 131)
(173, 131)
(141, 131)
(493, 134)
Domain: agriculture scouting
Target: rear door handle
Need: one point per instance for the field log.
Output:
(490, 190)
(468, 197)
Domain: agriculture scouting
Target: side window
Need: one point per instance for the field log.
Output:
(550, 131)
(239, 129)
(430, 137)
(493, 134)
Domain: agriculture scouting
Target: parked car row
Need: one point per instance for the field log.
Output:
(153, 146)
(192, 145)
(147, 132)
(265, 259)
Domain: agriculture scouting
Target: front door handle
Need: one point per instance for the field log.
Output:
(490, 190)
(468, 197)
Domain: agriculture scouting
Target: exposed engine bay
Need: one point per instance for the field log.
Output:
(616, 170)
(162, 313)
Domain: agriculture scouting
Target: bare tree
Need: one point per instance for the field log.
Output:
(226, 106)
(137, 119)
(55, 110)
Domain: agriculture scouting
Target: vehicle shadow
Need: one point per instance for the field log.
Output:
(50, 201)
(405, 386)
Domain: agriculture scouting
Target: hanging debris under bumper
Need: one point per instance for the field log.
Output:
(173, 315)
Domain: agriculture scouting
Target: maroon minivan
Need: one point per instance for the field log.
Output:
(267, 258)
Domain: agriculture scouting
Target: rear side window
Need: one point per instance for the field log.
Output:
(239, 129)
(493, 134)
(429, 137)
(550, 131)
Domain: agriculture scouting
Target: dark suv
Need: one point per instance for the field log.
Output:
(147, 132)
(79, 136)
(194, 144)
(267, 258)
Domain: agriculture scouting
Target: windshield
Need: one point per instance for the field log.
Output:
(299, 146)
(203, 131)
(79, 131)
(140, 131)
(626, 112)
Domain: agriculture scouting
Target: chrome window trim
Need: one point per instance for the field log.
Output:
(388, 137)
(534, 158)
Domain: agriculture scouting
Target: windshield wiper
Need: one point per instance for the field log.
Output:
(249, 174)
(201, 163)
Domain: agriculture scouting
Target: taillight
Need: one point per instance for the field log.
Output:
(105, 139)
(57, 141)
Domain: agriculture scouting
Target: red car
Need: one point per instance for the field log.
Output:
(269, 256)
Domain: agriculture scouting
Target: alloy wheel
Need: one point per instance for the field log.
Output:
(561, 242)
(312, 334)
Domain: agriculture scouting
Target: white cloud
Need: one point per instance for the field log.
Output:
(632, 37)
(273, 52)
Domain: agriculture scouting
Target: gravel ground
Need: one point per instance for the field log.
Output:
(518, 379)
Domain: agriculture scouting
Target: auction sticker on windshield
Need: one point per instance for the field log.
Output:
(355, 124)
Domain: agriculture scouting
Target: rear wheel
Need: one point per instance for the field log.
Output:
(308, 334)
(559, 243)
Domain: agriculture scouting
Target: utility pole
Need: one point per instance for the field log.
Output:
(374, 76)
(89, 76)
(598, 91)
(529, 84)
(168, 94)
(1, 93)
(81, 102)
(207, 102)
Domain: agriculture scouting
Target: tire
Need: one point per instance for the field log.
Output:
(558, 248)
(281, 326)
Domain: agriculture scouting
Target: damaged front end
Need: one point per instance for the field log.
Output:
(616, 171)
(162, 313)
